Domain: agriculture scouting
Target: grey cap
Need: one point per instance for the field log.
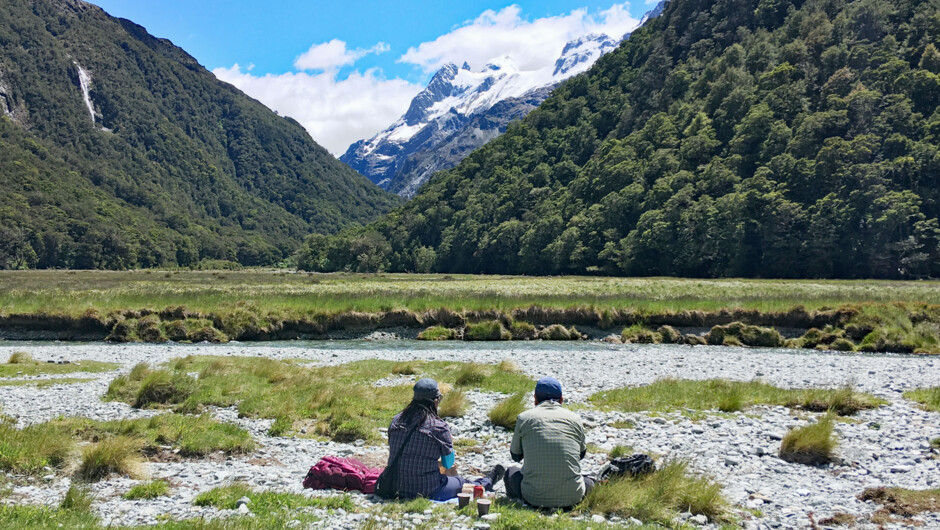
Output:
(427, 389)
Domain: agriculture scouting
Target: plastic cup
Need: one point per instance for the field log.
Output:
(463, 500)
(483, 507)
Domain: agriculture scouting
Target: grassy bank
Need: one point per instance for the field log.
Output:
(155, 306)
(331, 401)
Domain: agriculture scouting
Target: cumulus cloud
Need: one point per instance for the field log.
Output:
(336, 112)
(333, 54)
(533, 44)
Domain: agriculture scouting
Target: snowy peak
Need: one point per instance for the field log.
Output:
(440, 87)
(581, 53)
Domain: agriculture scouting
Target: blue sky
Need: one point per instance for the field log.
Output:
(346, 69)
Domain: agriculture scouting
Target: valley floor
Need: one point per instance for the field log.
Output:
(886, 446)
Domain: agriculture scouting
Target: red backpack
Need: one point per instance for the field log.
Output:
(333, 472)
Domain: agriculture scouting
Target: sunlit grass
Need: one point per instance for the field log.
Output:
(22, 364)
(812, 444)
(730, 396)
(76, 291)
(148, 490)
(929, 398)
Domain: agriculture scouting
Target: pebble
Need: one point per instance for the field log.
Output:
(890, 445)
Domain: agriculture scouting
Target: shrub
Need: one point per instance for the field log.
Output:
(114, 455)
(658, 496)
(812, 444)
(163, 387)
(506, 411)
(78, 498)
(523, 331)
(453, 405)
(148, 490)
(485, 331)
(21, 357)
(637, 334)
(437, 333)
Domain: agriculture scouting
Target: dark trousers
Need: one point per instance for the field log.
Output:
(452, 487)
(513, 482)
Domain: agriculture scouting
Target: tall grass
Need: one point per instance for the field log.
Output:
(21, 357)
(118, 455)
(812, 444)
(454, 404)
(659, 496)
(929, 398)
(730, 396)
(333, 401)
(33, 448)
(148, 490)
(507, 411)
(78, 498)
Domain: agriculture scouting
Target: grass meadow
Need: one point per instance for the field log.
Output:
(74, 292)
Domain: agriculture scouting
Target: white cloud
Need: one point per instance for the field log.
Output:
(334, 54)
(336, 112)
(532, 44)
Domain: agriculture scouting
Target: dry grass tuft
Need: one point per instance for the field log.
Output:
(406, 368)
(839, 519)
(507, 411)
(813, 444)
(901, 502)
(508, 365)
(471, 374)
(21, 357)
(118, 455)
(454, 404)
(659, 496)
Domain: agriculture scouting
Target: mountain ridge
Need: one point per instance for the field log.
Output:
(181, 166)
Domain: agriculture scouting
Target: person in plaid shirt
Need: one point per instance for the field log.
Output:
(418, 472)
(550, 440)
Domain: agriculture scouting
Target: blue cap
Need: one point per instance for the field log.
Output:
(426, 389)
(548, 388)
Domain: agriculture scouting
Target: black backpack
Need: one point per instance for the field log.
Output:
(630, 466)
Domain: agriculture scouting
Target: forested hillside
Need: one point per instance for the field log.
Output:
(117, 150)
(729, 138)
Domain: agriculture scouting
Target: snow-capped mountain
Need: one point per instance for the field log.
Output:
(460, 110)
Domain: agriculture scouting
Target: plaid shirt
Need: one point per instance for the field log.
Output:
(550, 439)
(418, 472)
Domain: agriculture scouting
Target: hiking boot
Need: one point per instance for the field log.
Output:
(496, 474)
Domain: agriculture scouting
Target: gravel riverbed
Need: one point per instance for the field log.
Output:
(888, 446)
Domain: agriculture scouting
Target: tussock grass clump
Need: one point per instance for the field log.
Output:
(521, 330)
(901, 502)
(78, 498)
(453, 405)
(659, 496)
(32, 448)
(638, 334)
(935, 443)
(929, 398)
(21, 357)
(508, 365)
(507, 411)
(669, 335)
(117, 455)
(163, 387)
(620, 450)
(559, 332)
(485, 331)
(812, 444)
(437, 333)
(265, 503)
(471, 374)
(405, 368)
(192, 435)
(148, 490)
(730, 396)
(740, 334)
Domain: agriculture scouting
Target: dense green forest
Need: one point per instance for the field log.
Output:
(724, 138)
(169, 166)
